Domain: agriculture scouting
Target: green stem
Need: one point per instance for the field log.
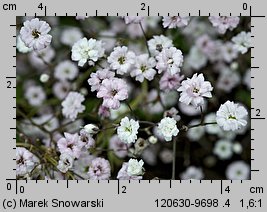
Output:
(145, 38)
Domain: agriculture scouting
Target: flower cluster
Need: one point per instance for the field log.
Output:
(123, 98)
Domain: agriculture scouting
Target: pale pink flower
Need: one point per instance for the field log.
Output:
(72, 105)
(194, 90)
(133, 19)
(99, 169)
(104, 112)
(25, 161)
(170, 60)
(144, 68)
(205, 44)
(123, 174)
(70, 144)
(175, 21)
(222, 23)
(96, 78)
(86, 140)
(173, 113)
(121, 60)
(35, 95)
(170, 82)
(120, 148)
(61, 89)
(113, 91)
(34, 34)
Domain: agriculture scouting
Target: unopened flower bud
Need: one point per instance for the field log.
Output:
(44, 78)
(152, 139)
(91, 128)
(237, 148)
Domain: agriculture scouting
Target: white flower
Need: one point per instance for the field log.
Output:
(229, 52)
(128, 129)
(144, 68)
(170, 59)
(194, 90)
(238, 170)
(135, 167)
(21, 47)
(34, 34)
(158, 43)
(231, 116)
(228, 79)
(223, 149)
(192, 172)
(24, 161)
(70, 35)
(87, 50)
(121, 60)
(167, 127)
(35, 95)
(196, 59)
(175, 21)
(65, 163)
(72, 105)
(242, 42)
(133, 19)
(66, 70)
(91, 129)
(123, 174)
